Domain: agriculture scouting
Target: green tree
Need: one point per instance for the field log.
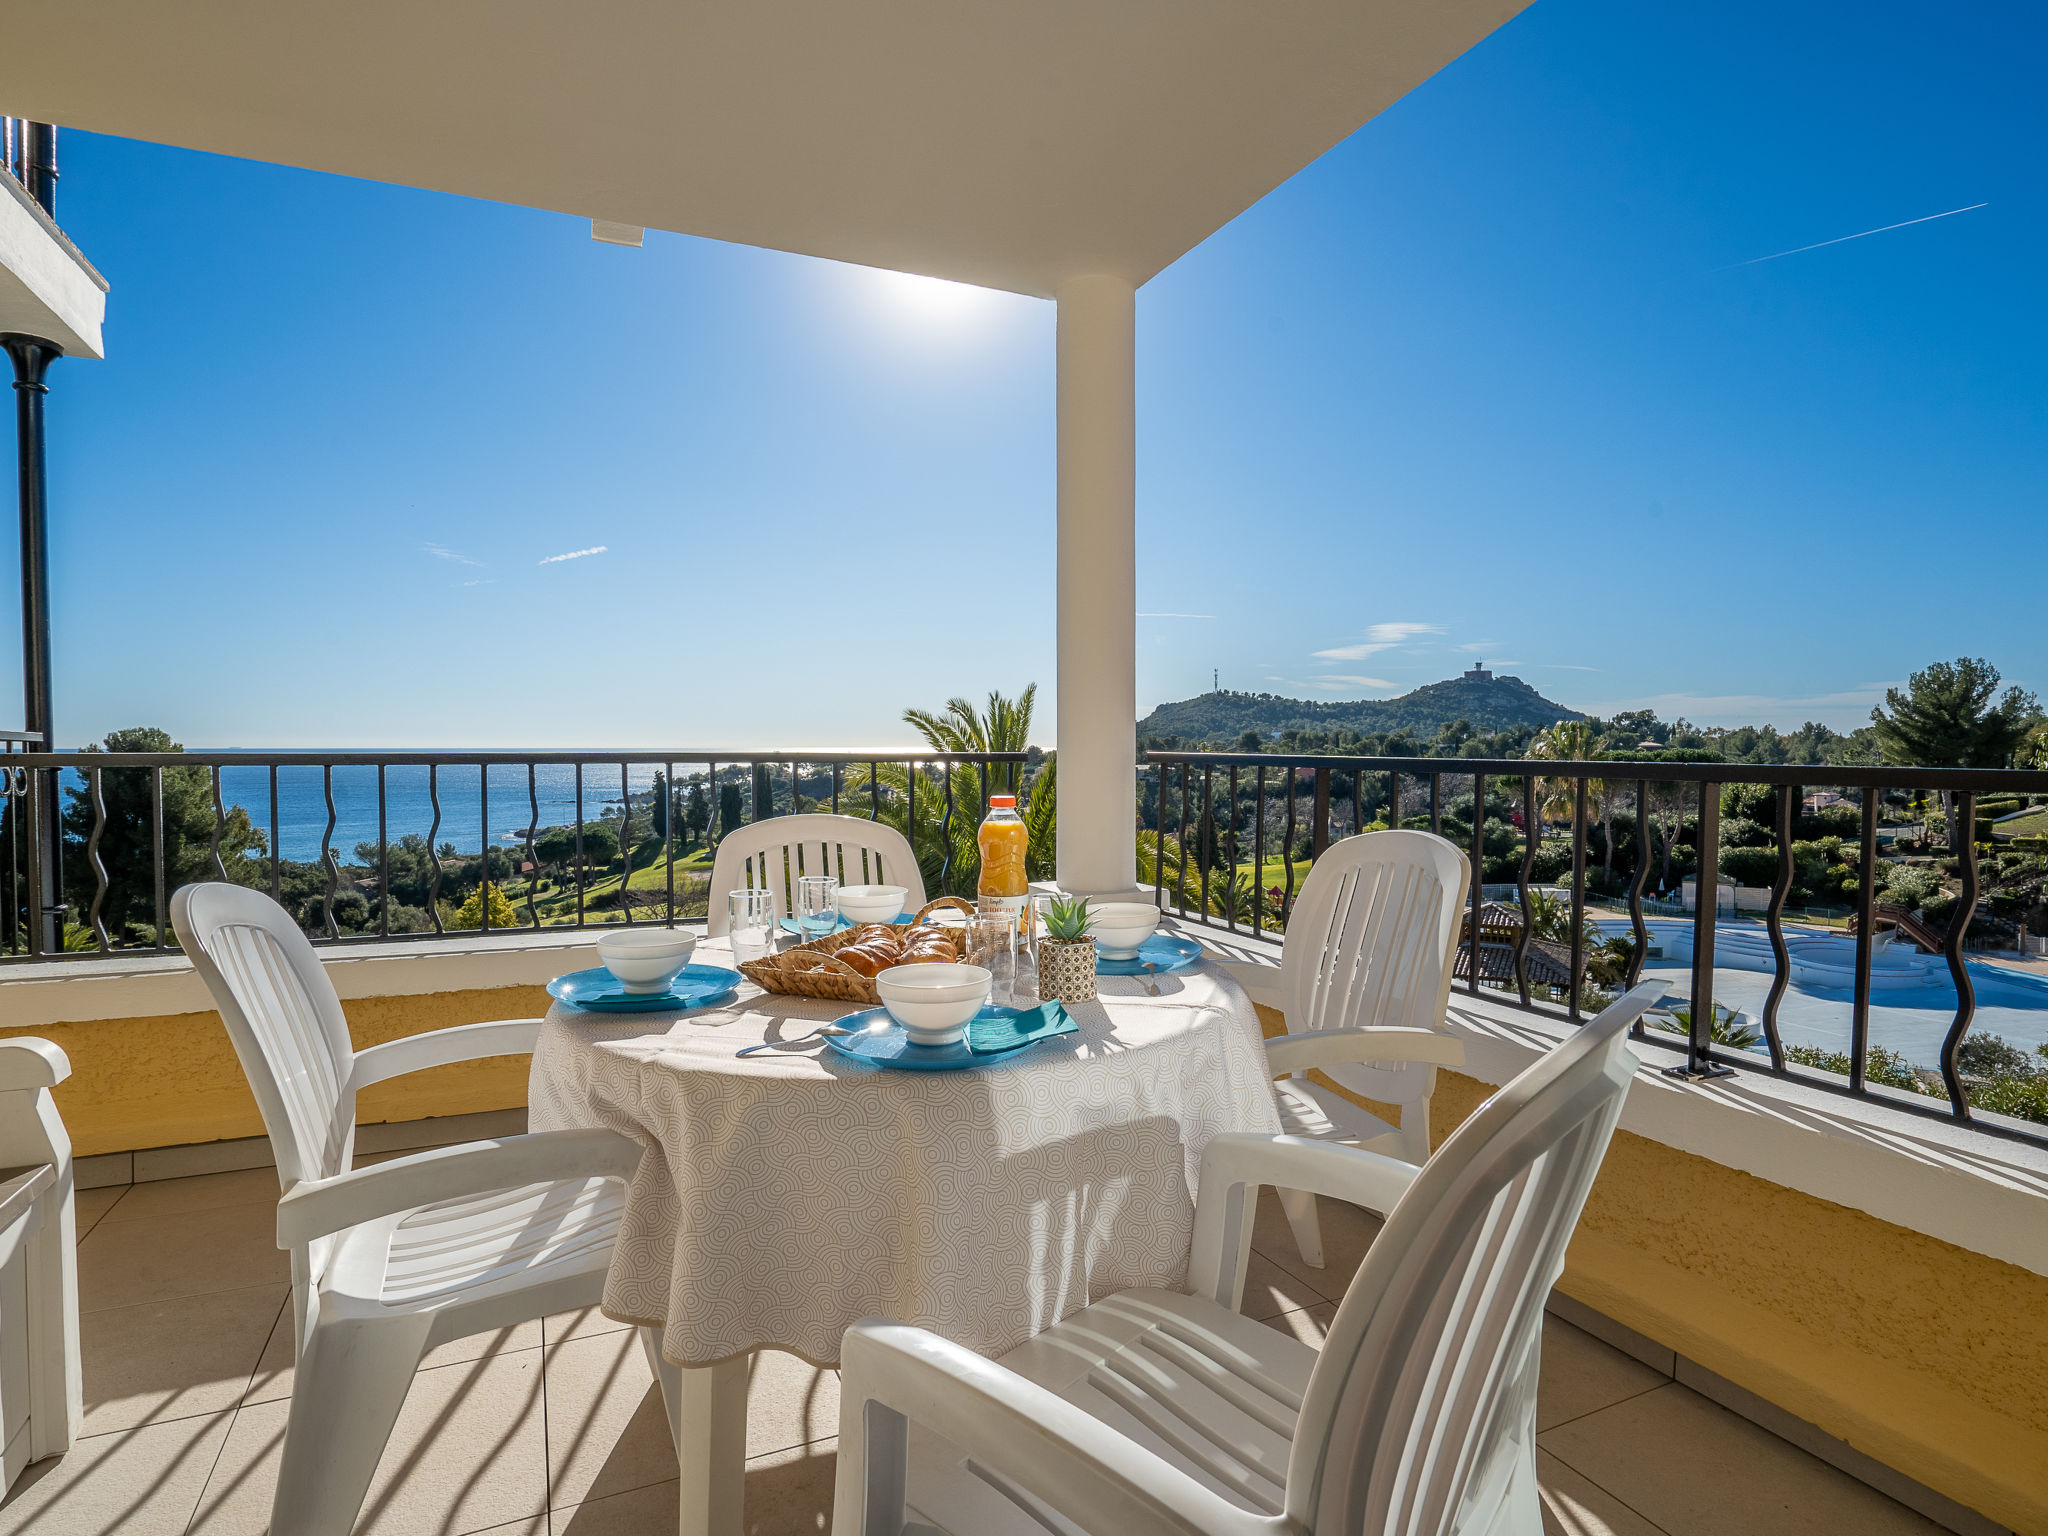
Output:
(1947, 718)
(730, 812)
(696, 815)
(127, 841)
(658, 807)
(471, 913)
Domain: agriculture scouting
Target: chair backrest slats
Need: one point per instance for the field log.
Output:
(1422, 1404)
(283, 1017)
(1372, 941)
(775, 852)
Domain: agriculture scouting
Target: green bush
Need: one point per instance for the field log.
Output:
(1883, 1065)
(1994, 1056)
(1907, 887)
(1741, 832)
(1749, 802)
(1750, 866)
(2024, 1098)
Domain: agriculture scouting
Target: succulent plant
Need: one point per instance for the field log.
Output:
(1066, 919)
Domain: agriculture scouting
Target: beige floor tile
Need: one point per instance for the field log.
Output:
(1574, 1506)
(202, 1192)
(468, 1454)
(127, 1263)
(90, 1206)
(790, 1402)
(607, 1430)
(1581, 1375)
(563, 1326)
(137, 1482)
(1731, 1476)
(273, 1375)
(173, 1359)
(1270, 1290)
(1309, 1324)
(1347, 1233)
(789, 1493)
(649, 1511)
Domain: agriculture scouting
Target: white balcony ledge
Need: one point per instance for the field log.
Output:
(47, 287)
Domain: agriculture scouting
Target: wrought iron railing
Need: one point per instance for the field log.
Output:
(134, 825)
(1196, 807)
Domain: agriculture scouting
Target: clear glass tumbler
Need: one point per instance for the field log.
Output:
(992, 945)
(817, 904)
(752, 923)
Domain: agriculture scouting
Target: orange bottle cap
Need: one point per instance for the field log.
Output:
(1002, 802)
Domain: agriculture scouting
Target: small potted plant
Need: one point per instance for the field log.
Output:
(1066, 955)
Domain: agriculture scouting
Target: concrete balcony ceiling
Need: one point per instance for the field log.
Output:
(1013, 146)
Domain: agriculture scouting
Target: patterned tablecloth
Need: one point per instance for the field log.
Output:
(795, 1192)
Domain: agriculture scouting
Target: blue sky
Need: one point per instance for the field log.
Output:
(1491, 379)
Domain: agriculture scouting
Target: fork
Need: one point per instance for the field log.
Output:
(1151, 982)
(820, 1033)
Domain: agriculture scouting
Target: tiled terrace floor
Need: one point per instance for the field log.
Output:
(557, 1427)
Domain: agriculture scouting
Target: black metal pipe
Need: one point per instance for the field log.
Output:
(32, 356)
(39, 164)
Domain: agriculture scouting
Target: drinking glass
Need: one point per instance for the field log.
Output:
(992, 945)
(752, 928)
(817, 904)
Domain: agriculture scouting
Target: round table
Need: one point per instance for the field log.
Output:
(792, 1192)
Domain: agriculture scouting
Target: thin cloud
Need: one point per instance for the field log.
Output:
(488, 581)
(1379, 637)
(1565, 666)
(1176, 615)
(443, 552)
(1352, 682)
(1478, 647)
(1798, 250)
(574, 554)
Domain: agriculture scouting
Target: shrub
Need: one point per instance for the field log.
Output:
(1994, 1056)
(1741, 832)
(1907, 887)
(2024, 1098)
(1752, 802)
(1750, 866)
(1882, 1065)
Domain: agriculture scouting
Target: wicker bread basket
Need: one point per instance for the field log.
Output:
(809, 970)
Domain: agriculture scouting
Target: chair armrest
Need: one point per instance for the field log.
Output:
(1088, 1471)
(315, 1207)
(1375, 1043)
(438, 1047)
(1234, 1165)
(27, 1062)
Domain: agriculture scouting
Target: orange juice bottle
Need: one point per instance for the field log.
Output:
(1002, 839)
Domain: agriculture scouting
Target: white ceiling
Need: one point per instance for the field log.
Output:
(1007, 144)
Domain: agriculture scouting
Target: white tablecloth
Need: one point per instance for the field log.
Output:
(794, 1192)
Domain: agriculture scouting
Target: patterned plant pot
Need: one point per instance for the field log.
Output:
(1066, 970)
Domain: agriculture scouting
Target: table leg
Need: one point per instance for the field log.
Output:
(707, 1411)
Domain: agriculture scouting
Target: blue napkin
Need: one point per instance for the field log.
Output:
(1007, 1032)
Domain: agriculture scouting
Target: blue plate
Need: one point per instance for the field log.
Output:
(790, 925)
(1162, 950)
(599, 991)
(882, 1042)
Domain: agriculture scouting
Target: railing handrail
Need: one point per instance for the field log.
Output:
(731, 757)
(1656, 770)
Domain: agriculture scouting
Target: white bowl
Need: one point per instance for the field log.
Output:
(870, 903)
(645, 959)
(933, 1002)
(1121, 926)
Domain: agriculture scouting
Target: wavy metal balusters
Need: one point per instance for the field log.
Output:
(1478, 856)
(626, 844)
(1230, 842)
(327, 855)
(579, 844)
(483, 852)
(532, 857)
(1532, 832)
(1859, 1014)
(383, 858)
(220, 822)
(1258, 849)
(874, 792)
(1699, 1048)
(668, 840)
(1286, 853)
(1436, 804)
(156, 822)
(1208, 827)
(1579, 831)
(1641, 929)
(835, 789)
(946, 837)
(1774, 924)
(434, 849)
(95, 788)
(276, 853)
(1964, 809)
(1180, 875)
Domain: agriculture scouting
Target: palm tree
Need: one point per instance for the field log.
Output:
(950, 845)
(1573, 741)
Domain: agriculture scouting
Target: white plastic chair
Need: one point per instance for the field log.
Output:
(1157, 1414)
(391, 1260)
(1365, 976)
(41, 1393)
(774, 852)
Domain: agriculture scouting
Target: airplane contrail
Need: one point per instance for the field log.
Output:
(1840, 239)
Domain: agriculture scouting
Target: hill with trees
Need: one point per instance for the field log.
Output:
(1487, 703)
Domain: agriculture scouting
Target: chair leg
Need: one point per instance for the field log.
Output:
(350, 1382)
(1300, 1206)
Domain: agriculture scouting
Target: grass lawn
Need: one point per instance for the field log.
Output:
(2034, 825)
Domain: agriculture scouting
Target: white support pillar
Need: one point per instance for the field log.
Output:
(1098, 586)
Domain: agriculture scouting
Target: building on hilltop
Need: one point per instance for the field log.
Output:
(1477, 674)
